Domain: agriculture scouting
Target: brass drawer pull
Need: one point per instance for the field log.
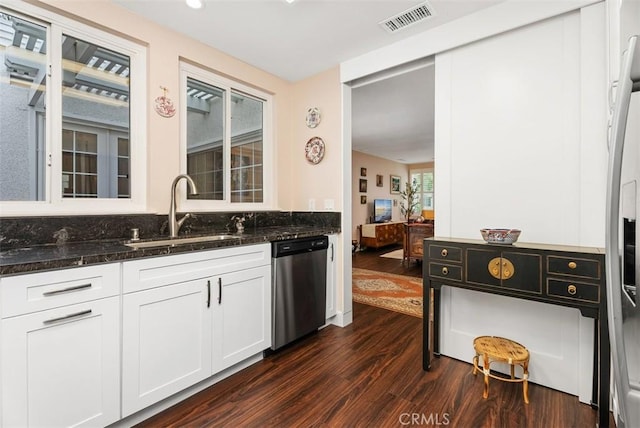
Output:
(573, 265)
(571, 289)
(501, 268)
(444, 252)
(445, 271)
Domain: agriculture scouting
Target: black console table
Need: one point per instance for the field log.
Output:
(558, 275)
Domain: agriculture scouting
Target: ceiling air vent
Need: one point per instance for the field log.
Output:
(408, 17)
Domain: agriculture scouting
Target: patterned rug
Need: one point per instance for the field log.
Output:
(394, 292)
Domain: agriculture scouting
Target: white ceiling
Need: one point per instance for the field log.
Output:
(393, 118)
(295, 41)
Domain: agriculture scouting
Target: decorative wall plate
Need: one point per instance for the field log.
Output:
(163, 104)
(165, 107)
(313, 117)
(314, 150)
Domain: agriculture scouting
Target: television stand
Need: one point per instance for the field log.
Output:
(377, 235)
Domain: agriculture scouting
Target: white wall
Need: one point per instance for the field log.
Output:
(513, 134)
(526, 151)
(520, 120)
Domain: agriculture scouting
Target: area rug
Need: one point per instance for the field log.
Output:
(385, 290)
(395, 254)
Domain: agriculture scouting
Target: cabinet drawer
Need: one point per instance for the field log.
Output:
(164, 270)
(584, 268)
(33, 292)
(445, 252)
(573, 290)
(443, 271)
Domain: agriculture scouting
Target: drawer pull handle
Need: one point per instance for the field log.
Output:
(445, 271)
(208, 294)
(66, 290)
(573, 265)
(219, 291)
(444, 252)
(67, 317)
(571, 289)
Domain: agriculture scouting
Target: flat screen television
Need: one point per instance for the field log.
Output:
(381, 210)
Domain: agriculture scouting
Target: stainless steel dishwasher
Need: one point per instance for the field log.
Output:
(299, 286)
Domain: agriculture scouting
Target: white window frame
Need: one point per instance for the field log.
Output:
(188, 70)
(421, 193)
(54, 203)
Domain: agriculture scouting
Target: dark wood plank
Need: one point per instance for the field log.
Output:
(370, 259)
(369, 374)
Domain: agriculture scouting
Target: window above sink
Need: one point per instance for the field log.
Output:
(73, 117)
(226, 144)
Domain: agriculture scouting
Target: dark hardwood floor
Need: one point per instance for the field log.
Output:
(370, 259)
(369, 374)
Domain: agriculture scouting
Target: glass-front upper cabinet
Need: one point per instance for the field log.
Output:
(66, 125)
(225, 147)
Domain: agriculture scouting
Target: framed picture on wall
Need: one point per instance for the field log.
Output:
(379, 180)
(363, 199)
(363, 172)
(363, 185)
(395, 184)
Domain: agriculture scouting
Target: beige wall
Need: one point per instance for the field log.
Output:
(322, 182)
(165, 49)
(425, 165)
(375, 166)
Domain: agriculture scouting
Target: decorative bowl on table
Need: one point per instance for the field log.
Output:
(500, 236)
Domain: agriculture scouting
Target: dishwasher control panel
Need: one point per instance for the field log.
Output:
(299, 245)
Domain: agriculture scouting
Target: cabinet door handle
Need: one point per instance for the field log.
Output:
(208, 294)
(67, 317)
(219, 291)
(332, 252)
(66, 290)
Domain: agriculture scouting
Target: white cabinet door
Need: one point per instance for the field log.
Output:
(332, 258)
(60, 367)
(242, 315)
(166, 341)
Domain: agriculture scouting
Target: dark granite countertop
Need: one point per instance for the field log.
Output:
(51, 256)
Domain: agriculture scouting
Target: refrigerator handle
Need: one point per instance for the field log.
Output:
(629, 71)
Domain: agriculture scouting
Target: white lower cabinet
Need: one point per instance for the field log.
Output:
(241, 316)
(61, 366)
(187, 317)
(166, 338)
(184, 318)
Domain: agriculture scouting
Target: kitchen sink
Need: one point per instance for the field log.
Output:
(179, 241)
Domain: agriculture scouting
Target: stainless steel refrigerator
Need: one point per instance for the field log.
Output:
(622, 245)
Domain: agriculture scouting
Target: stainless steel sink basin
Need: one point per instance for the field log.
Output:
(179, 241)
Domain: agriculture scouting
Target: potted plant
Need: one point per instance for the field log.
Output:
(410, 199)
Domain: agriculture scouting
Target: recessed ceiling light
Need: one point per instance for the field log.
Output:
(289, 1)
(195, 4)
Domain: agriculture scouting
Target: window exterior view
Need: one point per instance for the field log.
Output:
(94, 140)
(224, 139)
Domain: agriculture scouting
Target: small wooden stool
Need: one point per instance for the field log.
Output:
(499, 349)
